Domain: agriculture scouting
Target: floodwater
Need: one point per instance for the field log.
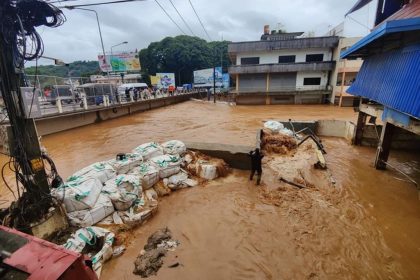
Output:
(366, 226)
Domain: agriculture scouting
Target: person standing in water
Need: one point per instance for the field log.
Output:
(256, 158)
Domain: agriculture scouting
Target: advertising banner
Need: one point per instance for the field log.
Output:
(120, 62)
(165, 80)
(205, 76)
(154, 80)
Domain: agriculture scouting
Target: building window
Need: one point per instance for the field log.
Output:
(311, 81)
(314, 57)
(287, 58)
(250, 60)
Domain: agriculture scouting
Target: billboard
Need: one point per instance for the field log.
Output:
(154, 80)
(165, 80)
(205, 76)
(120, 62)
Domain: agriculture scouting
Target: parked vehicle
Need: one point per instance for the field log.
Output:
(95, 92)
(63, 91)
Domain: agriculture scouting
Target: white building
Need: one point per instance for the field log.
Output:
(283, 68)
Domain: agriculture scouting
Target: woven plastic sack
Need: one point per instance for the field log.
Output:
(125, 165)
(274, 126)
(149, 150)
(84, 218)
(149, 175)
(174, 147)
(167, 165)
(102, 171)
(123, 191)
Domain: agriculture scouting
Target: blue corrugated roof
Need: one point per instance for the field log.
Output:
(389, 27)
(392, 79)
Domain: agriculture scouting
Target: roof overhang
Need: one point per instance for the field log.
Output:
(359, 4)
(381, 34)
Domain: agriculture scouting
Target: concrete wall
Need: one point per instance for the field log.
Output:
(273, 56)
(62, 122)
(234, 155)
(318, 74)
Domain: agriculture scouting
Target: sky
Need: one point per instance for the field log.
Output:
(143, 22)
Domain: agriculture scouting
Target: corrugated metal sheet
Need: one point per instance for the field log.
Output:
(392, 79)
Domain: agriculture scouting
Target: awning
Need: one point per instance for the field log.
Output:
(375, 38)
(359, 4)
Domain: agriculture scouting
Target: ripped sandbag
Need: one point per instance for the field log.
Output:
(279, 143)
(167, 165)
(126, 163)
(208, 169)
(84, 218)
(179, 181)
(78, 194)
(149, 150)
(174, 147)
(273, 126)
(101, 170)
(133, 218)
(94, 241)
(123, 190)
(149, 175)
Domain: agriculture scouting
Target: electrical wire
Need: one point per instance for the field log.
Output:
(182, 18)
(163, 9)
(201, 23)
(98, 4)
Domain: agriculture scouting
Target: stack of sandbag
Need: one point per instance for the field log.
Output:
(149, 150)
(84, 203)
(174, 147)
(148, 174)
(167, 165)
(102, 171)
(126, 163)
(123, 191)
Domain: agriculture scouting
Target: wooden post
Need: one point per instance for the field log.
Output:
(267, 89)
(343, 77)
(361, 121)
(384, 146)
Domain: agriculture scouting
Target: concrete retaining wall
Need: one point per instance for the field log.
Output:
(234, 155)
(66, 121)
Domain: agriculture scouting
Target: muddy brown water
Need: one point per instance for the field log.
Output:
(367, 227)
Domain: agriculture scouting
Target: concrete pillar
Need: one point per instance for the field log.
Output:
(131, 96)
(104, 100)
(267, 89)
(361, 122)
(384, 146)
(85, 105)
(237, 83)
(343, 77)
(59, 105)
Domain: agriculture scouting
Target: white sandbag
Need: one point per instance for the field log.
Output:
(79, 194)
(149, 150)
(274, 126)
(151, 195)
(130, 161)
(174, 147)
(208, 171)
(176, 181)
(90, 235)
(149, 175)
(84, 218)
(130, 218)
(167, 165)
(123, 190)
(286, 131)
(102, 171)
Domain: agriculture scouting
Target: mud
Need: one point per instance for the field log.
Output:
(365, 226)
(151, 259)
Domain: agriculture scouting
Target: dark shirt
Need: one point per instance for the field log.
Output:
(256, 160)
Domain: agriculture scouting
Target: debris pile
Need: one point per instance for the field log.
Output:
(123, 193)
(150, 260)
(279, 143)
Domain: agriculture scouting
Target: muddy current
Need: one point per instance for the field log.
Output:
(364, 225)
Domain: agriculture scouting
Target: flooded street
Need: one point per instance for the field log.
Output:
(365, 227)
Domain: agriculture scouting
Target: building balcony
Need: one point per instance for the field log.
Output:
(282, 67)
(291, 44)
(283, 90)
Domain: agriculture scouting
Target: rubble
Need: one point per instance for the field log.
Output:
(150, 260)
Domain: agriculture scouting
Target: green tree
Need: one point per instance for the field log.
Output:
(182, 55)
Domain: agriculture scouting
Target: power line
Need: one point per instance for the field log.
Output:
(97, 4)
(179, 14)
(163, 9)
(202, 25)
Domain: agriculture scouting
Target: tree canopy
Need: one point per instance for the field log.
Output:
(182, 55)
(76, 69)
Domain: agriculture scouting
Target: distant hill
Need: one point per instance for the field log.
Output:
(77, 69)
